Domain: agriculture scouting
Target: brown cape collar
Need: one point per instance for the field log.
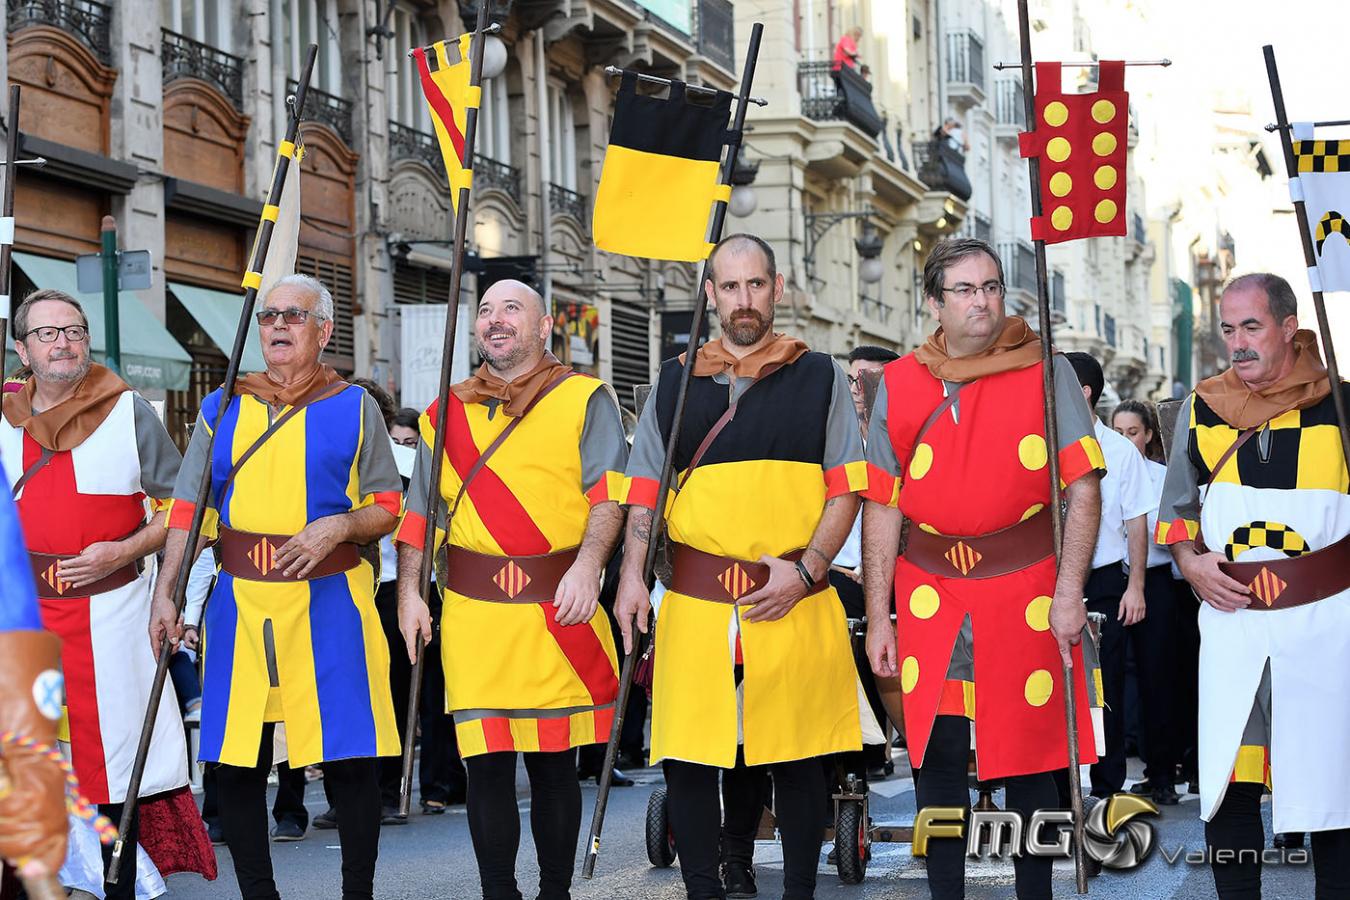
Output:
(1017, 347)
(1241, 407)
(67, 424)
(518, 393)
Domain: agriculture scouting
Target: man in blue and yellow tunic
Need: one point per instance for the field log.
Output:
(753, 662)
(301, 475)
(533, 469)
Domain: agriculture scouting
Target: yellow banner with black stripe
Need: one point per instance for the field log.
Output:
(659, 179)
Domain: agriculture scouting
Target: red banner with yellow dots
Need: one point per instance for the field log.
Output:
(1081, 142)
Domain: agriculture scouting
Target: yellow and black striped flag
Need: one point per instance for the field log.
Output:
(660, 175)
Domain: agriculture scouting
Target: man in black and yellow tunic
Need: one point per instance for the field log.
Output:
(753, 663)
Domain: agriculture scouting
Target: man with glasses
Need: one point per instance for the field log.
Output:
(976, 588)
(85, 455)
(302, 475)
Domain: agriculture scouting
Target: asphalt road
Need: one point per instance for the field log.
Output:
(431, 857)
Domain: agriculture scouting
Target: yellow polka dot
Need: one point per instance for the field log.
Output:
(1061, 218)
(1055, 114)
(1058, 149)
(921, 461)
(1038, 613)
(1104, 144)
(1031, 452)
(909, 674)
(1060, 184)
(924, 526)
(1105, 211)
(1105, 177)
(1103, 111)
(1039, 687)
(1032, 510)
(923, 602)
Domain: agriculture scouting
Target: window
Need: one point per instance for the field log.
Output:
(207, 21)
(494, 121)
(562, 138)
(406, 103)
(295, 25)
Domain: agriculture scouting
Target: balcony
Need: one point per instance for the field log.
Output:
(1010, 109)
(965, 69)
(409, 143)
(1138, 230)
(326, 109)
(1109, 329)
(942, 167)
(564, 202)
(1059, 300)
(1019, 266)
(89, 21)
(492, 175)
(979, 227)
(845, 95)
(182, 57)
(715, 32)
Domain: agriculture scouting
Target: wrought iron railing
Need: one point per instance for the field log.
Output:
(715, 29)
(1019, 265)
(89, 21)
(567, 203)
(965, 59)
(979, 227)
(327, 109)
(1010, 102)
(182, 57)
(842, 95)
(942, 167)
(409, 143)
(488, 173)
(1059, 300)
(876, 309)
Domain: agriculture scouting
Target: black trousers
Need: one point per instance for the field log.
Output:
(494, 821)
(944, 781)
(1237, 826)
(242, 800)
(1154, 642)
(1104, 588)
(692, 802)
(289, 805)
(125, 889)
(1188, 678)
(745, 792)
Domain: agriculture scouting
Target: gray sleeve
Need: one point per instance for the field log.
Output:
(843, 435)
(1072, 416)
(194, 463)
(649, 449)
(880, 450)
(604, 448)
(160, 459)
(376, 471)
(415, 500)
(1181, 488)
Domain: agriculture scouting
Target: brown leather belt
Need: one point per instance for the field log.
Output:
(1294, 581)
(252, 556)
(506, 579)
(51, 586)
(722, 579)
(1000, 552)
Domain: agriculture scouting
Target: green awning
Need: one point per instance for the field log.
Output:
(218, 314)
(151, 358)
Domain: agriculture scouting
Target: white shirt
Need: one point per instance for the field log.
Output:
(1127, 492)
(1158, 555)
(850, 555)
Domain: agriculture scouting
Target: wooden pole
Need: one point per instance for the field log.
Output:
(443, 407)
(667, 465)
(1052, 445)
(7, 212)
(1309, 252)
(260, 246)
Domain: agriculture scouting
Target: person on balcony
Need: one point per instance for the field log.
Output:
(846, 51)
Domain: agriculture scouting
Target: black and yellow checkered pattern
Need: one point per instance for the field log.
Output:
(1303, 450)
(1322, 156)
(1332, 221)
(1274, 535)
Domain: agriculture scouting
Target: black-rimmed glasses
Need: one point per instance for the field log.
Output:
(76, 334)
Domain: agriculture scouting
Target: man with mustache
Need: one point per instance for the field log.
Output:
(532, 476)
(957, 448)
(753, 664)
(1254, 508)
(301, 477)
(85, 454)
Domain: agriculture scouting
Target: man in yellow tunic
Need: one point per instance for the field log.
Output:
(301, 475)
(753, 661)
(533, 469)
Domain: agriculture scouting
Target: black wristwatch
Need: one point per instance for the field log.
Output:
(805, 575)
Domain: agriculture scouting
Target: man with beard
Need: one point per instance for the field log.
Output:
(85, 454)
(1254, 508)
(301, 476)
(753, 663)
(532, 476)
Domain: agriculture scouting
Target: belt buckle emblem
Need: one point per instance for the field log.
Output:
(736, 581)
(263, 556)
(55, 581)
(1267, 586)
(963, 557)
(512, 579)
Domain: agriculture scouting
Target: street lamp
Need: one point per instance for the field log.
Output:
(868, 246)
(494, 56)
(743, 200)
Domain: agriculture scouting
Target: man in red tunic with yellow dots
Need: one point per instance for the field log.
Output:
(958, 449)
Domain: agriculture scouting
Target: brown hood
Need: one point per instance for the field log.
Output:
(517, 394)
(258, 384)
(68, 423)
(1017, 347)
(1240, 406)
(713, 358)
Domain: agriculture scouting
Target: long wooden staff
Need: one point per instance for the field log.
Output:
(252, 281)
(1309, 254)
(7, 212)
(1052, 448)
(667, 465)
(443, 404)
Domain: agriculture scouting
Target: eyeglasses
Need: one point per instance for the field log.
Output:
(992, 289)
(292, 316)
(76, 334)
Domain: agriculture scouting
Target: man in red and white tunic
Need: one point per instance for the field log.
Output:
(84, 454)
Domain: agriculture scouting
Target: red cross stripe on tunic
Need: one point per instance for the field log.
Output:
(263, 556)
(511, 579)
(963, 557)
(1267, 586)
(736, 582)
(55, 581)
